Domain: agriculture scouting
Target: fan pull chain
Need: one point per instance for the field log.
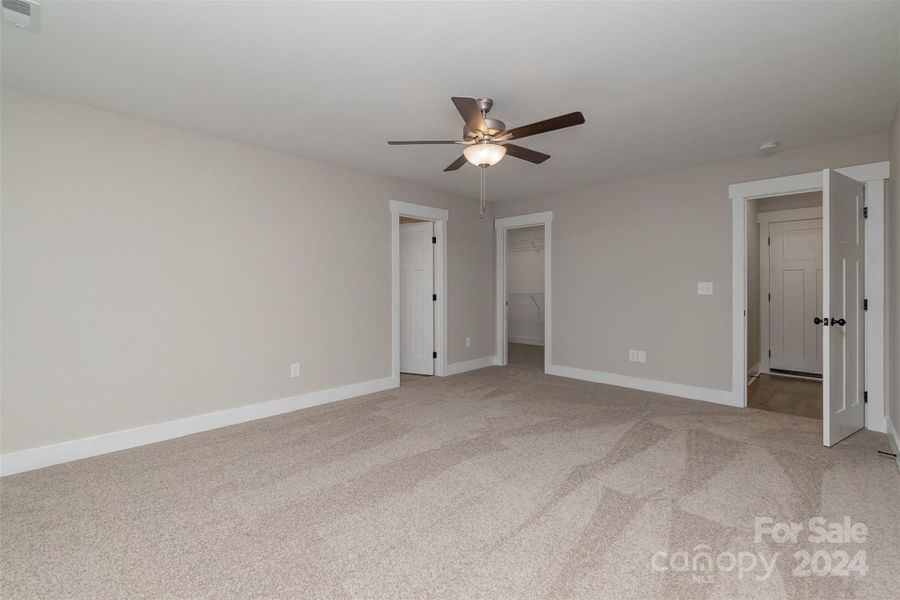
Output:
(483, 169)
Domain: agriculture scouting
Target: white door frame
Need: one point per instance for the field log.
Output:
(765, 219)
(502, 226)
(440, 217)
(875, 176)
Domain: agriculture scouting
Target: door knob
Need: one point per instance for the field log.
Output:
(817, 321)
(840, 322)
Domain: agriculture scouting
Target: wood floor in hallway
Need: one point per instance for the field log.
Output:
(787, 395)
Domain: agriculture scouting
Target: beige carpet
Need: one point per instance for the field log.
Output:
(499, 483)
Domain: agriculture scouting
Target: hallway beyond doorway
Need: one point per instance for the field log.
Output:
(526, 356)
(786, 395)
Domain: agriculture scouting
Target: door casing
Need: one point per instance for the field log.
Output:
(874, 176)
(440, 217)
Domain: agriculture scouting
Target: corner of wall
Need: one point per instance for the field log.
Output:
(892, 289)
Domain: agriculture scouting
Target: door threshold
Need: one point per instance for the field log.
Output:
(795, 375)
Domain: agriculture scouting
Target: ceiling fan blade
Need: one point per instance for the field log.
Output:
(456, 163)
(561, 122)
(470, 113)
(409, 142)
(532, 156)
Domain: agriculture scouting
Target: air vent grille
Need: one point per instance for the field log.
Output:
(21, 13)
(18, 6)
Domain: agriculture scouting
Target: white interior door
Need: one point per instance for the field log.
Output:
(795, 295)
(843, 326)
(416, 298)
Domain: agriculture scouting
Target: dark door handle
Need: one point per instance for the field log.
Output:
(817, 321)
(840, 322)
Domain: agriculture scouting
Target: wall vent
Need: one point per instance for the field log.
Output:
(23, 14)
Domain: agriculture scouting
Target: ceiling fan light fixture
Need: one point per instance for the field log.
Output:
(481, 131)
(485, 154)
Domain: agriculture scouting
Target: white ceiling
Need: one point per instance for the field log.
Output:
(662, 86)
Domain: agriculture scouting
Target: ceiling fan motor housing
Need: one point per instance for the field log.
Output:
(494, 126)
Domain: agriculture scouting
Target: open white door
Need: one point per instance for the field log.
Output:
(843, 241)
(416, 298)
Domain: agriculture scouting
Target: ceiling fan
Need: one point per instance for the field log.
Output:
(487, 140)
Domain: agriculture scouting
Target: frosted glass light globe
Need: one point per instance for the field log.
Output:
(484, 154)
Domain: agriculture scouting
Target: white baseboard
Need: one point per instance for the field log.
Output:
(894, 438)
(647, 385)
(524, 339)
(753, 371)
(471, 365)
(873, 423)
(54, 454)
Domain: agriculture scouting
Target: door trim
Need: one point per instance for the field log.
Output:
(874, 175)
(440, 217)
(765, 219)
(502, 226)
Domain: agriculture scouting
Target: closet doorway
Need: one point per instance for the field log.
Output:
(784, 346)
(524, 291)
(525, 297)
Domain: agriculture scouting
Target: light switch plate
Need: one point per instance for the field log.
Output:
(641, 356)
(295, 369)
(705, 288)
(633, 355)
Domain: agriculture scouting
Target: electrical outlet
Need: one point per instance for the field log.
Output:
(633, 355)
(641, 356)
(295, 369)
(468, 342)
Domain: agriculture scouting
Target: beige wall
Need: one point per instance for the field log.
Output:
(525, 260)
(893, 259)
(627, 257)
(789, 202)
(151, 273)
